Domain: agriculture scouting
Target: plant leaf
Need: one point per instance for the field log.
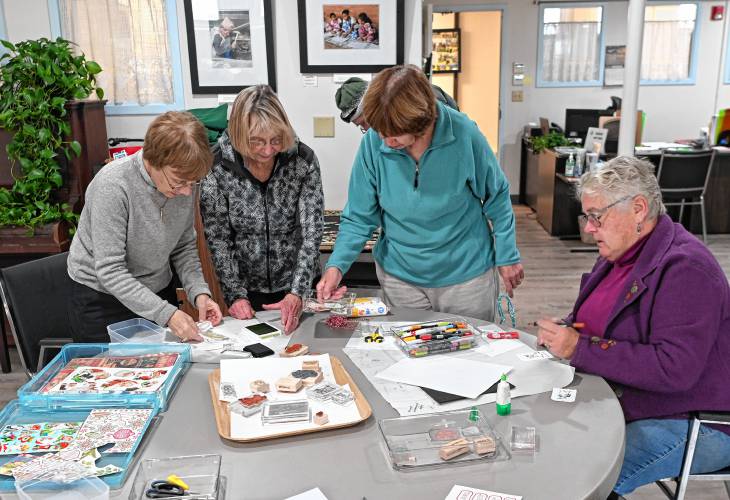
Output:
(76, 147)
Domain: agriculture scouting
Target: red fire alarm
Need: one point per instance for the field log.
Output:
(717, 13)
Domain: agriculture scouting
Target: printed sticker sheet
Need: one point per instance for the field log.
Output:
(36, 438)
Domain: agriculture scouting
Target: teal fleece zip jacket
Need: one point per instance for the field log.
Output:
(435, 230)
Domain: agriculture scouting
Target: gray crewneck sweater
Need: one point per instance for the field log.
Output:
(128, 235)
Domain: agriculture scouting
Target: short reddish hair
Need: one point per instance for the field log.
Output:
(400, 101)
(178, 140)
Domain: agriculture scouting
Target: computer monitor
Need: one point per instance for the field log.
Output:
(578, 121)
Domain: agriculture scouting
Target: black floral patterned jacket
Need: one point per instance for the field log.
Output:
(263, 237)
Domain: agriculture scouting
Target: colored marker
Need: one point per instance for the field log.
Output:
(577, 326)
(503, 335)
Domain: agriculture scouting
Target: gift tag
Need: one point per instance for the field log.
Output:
(563, 395)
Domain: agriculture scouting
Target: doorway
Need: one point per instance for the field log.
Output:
(476, 84)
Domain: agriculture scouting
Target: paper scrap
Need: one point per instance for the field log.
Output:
(465, 493)
(452, 375)
(313, 494)
(534, 356)
(564, 395)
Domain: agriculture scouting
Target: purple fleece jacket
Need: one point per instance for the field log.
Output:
(671, 327)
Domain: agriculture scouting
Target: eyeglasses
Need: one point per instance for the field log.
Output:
(177, 187)
(595, 216)
(258, 143)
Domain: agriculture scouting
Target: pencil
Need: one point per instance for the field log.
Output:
(577, 326)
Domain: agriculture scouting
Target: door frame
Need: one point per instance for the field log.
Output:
(504, 67)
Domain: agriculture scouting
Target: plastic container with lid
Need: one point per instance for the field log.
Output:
(87, 488)
(137, 331)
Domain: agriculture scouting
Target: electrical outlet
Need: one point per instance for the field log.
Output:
(324, 126)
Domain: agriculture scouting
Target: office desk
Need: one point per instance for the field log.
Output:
(581, 445)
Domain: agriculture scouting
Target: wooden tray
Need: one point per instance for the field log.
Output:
(223, 416)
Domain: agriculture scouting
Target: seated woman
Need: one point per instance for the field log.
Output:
(656, 309)
(137, 220)
(262, 209)
(426, 175)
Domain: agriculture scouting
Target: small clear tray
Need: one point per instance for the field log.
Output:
(456, 437)
(136, 330)
(87, 488)
(200, 472)
(443, 337)
(341, 307)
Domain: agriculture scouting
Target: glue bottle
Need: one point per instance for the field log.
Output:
(504, 406)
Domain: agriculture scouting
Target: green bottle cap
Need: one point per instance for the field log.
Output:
(474, 414)
(503, 377)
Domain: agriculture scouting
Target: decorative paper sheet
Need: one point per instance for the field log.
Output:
(111, 380)
(120, 426)
(149, 361)
(37, 438)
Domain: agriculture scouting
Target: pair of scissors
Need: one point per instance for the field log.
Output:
(165, 489)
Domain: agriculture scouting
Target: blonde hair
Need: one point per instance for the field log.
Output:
(178, 140)
(400, 101)
(257, 110)
(624, 176)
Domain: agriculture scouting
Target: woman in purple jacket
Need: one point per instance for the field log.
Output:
(656, 308)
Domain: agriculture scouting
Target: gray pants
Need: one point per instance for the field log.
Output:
(475, 298)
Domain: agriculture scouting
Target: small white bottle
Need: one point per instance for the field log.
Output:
(570, 166)
(504, 405)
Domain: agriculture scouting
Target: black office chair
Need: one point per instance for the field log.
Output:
(683, 180)
(696, 419)
(612, 127)
(34, 297)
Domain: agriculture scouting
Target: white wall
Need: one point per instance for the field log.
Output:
(30, 19)
(672, 111)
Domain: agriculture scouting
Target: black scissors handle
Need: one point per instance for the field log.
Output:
(163, 489)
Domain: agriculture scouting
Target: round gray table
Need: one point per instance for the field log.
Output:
(581, 444)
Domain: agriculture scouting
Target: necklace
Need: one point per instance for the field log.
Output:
(162, 219)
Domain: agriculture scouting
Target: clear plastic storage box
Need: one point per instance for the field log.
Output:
(14, 414)
(441, 439)
(87, 488)
(435, 337)
(137, 331)
(39, 393)
(200, 472)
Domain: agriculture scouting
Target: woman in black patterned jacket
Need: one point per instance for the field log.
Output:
(262, 207)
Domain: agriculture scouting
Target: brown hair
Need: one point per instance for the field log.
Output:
(178, 140)
(400, 101)
(257, 110)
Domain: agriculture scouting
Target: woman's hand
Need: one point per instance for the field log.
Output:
(512, 276)
(184, 327)
(560, 340)
(241, 309)
(208, 310)
(291, 308)
(327, 286)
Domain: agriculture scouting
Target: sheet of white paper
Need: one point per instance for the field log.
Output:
(462, 377)
(466, 493)
(242, 371)
(491, 327)
(358, 342)
(496, 347)
(313, 494)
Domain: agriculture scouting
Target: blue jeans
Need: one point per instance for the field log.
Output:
(655, 450)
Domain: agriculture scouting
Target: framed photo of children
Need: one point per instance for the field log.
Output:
(230, 44)
(360, 36)
(446, 48)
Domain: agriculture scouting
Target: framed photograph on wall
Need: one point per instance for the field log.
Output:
(446, 50)
(230, 45)
(360, 36)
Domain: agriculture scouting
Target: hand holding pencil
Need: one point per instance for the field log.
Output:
(560, 339)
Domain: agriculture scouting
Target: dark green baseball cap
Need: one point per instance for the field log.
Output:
(349, 96)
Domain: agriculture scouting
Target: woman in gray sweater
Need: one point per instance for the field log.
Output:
(137, 220)
(262, 210)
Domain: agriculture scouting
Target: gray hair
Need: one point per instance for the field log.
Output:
(624, 176)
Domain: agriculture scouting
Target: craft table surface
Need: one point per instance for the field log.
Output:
(580, 454)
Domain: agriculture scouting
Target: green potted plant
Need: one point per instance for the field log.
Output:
(540, 143)
(40, 79)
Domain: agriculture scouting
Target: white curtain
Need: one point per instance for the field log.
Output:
(666, 51)
(570, 52)
(129, 39)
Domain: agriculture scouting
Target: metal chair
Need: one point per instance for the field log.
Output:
(696, 419)
(34, 297)
(683, 180)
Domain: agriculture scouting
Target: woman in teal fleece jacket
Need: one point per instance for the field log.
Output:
(427, 177)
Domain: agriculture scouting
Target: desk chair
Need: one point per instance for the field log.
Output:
(612, 126)
(34, 297)
(696, 419)
(683, 180)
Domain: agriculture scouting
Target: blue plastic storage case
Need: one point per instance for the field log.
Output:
(29, 395)
(15, 413)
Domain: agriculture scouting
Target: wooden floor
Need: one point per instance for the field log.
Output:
(552, 275)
